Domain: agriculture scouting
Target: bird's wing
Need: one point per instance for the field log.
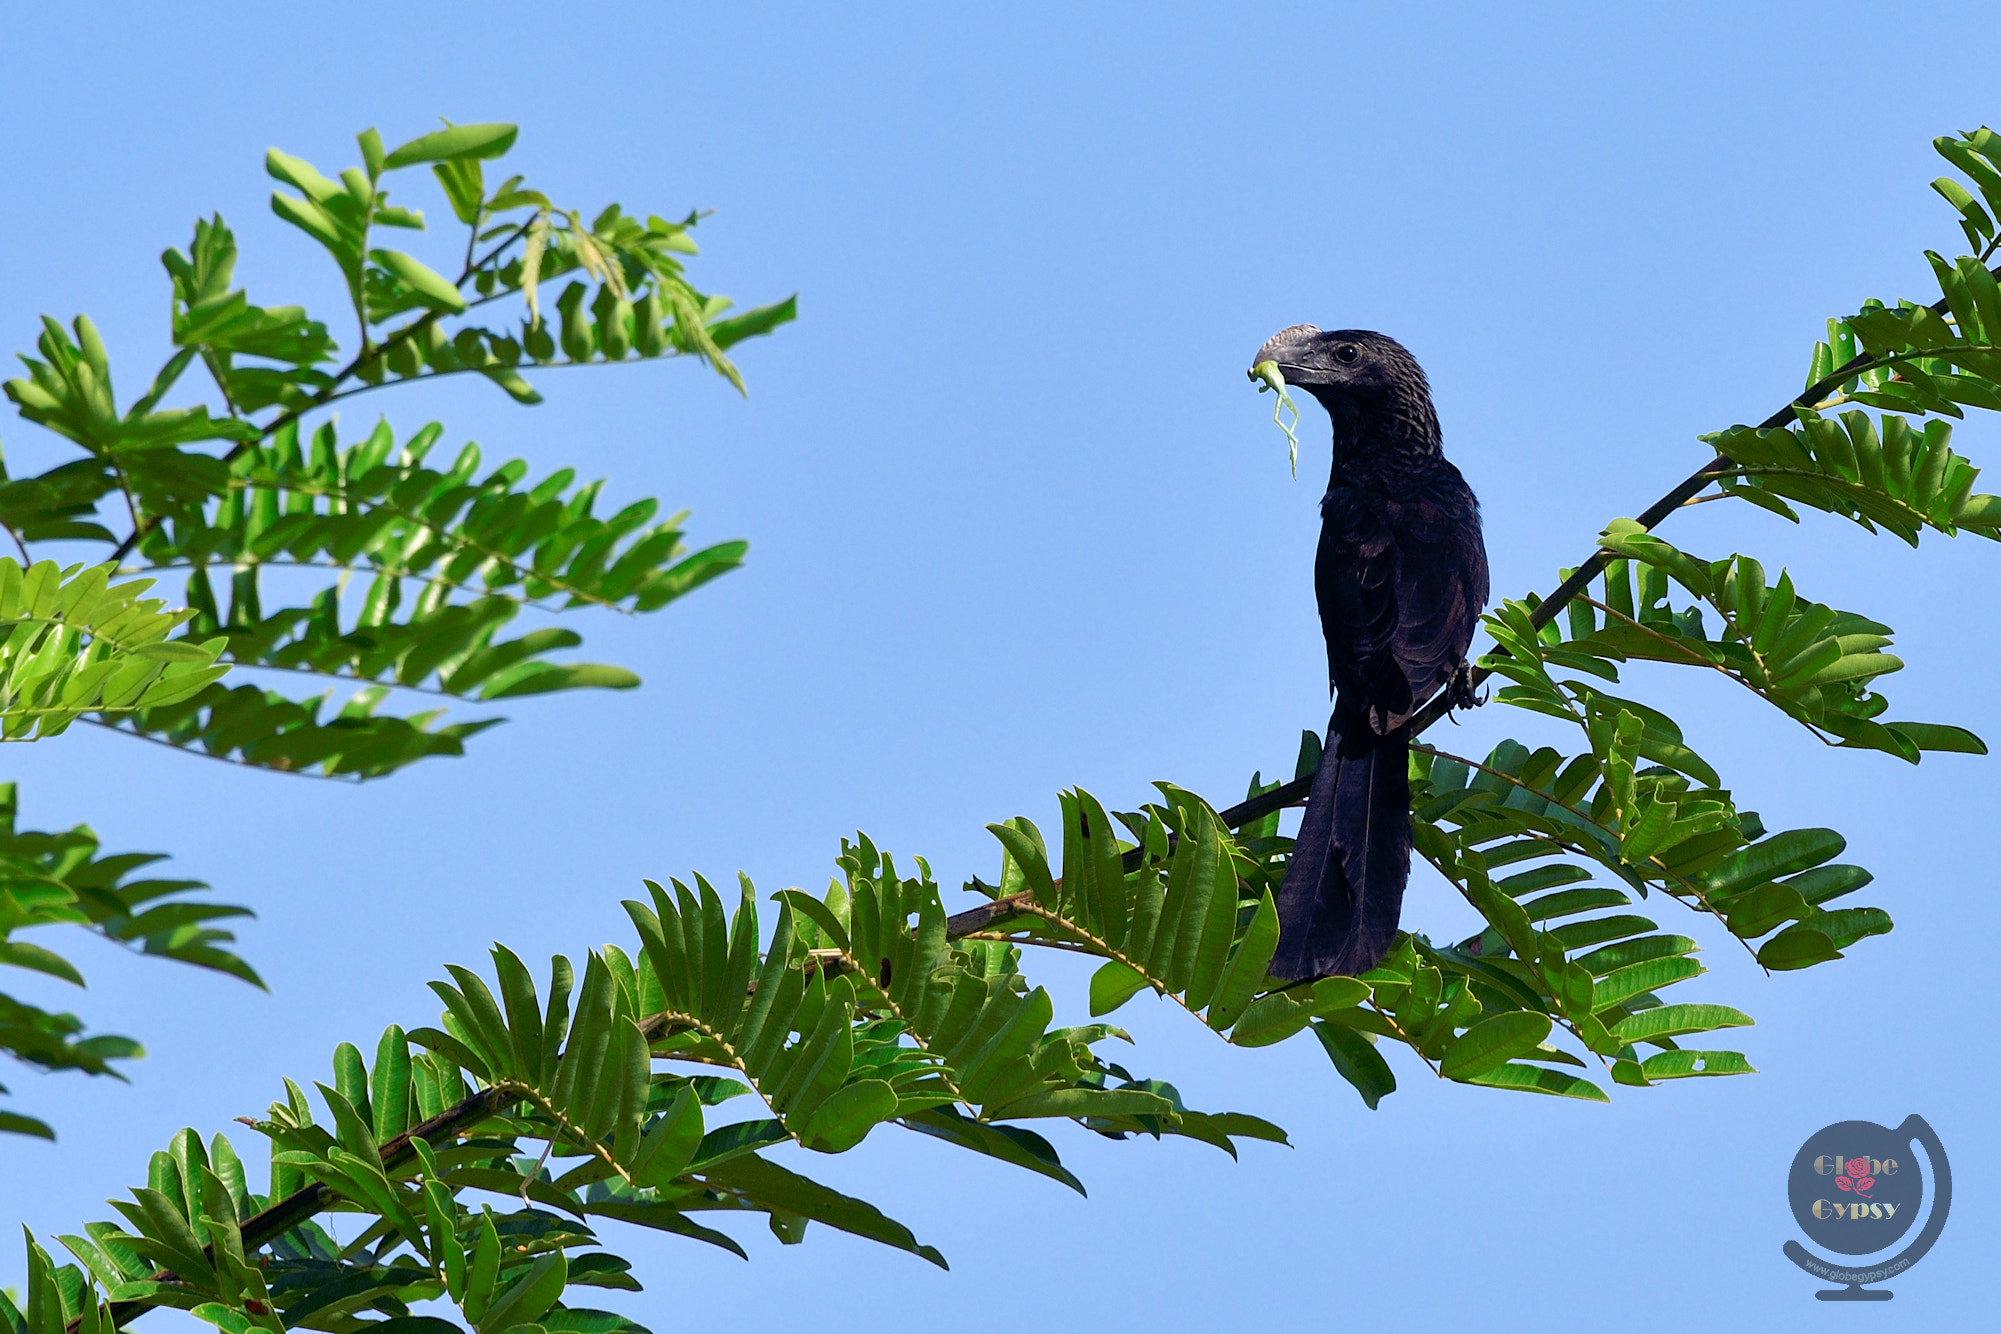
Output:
(1441, 589)
(1400, 585)
(1356, 579)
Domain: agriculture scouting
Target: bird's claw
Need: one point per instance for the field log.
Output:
(1459, 690)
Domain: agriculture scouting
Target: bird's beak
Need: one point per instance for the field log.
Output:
(1287, 348)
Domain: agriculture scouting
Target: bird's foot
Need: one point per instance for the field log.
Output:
(1460, 688)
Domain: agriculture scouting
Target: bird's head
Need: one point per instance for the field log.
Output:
(1358, 375)
(1349, 361)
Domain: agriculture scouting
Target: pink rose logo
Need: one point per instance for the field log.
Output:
(1857, 1178)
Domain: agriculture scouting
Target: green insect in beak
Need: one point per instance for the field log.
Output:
(1267, 376)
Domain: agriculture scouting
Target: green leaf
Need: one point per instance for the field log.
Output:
(1770, 858)
(464, 188)
(539, 678)
(1358, 1062)
(567, 1320)
(1025, 847)
(820, 914)
(665, 1218)
(13, 1123)
(1673, 1020)
(1493, 1042)
(1798, 946)
(845, 1119)
(736, 1139)
(670, 1145)
(599, 1271)
(1622, 984)
(1940, 737)
(1604, 962)
(1010, 1144)
(1683, 1064)
(726, 333)
(511, 380)
(1269, 1019)
(225, 1318)
(470, 142)
(22, 954)
(1087, 1102)
(1541, 1079)
(1845, 926)
(433, 288)
(525, 1300)
(1246, 969)
(1113, 985)
(770, 1186)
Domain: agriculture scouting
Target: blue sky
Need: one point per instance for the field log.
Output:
(1018, 522)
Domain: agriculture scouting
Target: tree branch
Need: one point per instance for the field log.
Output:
(275, 1221)
(286, 1214)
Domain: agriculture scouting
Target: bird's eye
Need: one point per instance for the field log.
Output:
(1347, 353)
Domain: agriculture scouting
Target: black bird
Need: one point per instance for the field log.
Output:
(1401, 577)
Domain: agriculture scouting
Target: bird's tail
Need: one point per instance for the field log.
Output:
(1343, 890)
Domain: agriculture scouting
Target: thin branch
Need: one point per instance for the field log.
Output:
(545, 606)
(472, 239)
(1690, 658)
(458, 542)
(1397, 1030)
(133, 538)
(275, 1221)
(368, 352)
(474, 266)
(1662, 872)
(326, 398)
(538, 367)
(136, 735)
(131, 507)
(362, 682)
(563, 1128)
(1007, 939)
(214, 367)
(1478, 767)
(849, 965)
(1657, 512)
(1089, 944)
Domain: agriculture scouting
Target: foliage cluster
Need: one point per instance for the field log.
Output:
(480, 1155)
(247, 504)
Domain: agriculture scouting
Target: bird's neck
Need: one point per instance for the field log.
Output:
(1392, 434)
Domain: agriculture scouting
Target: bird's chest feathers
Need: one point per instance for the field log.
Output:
(1365, 521)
